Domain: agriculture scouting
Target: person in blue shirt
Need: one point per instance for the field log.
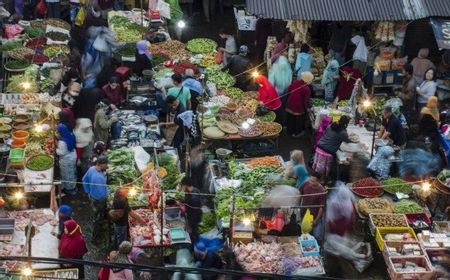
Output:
(94, 184)
(299, 171)
(303, 62)
(194, 86)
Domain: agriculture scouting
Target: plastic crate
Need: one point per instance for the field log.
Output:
(421, 261)
(373, 226)
(399, 246)
(310, 242)
(16, 155)
(381, 232)
(412, 217)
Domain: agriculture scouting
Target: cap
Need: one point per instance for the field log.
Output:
(243, 49)
(200, 247)
(66, 210)
(102, 160)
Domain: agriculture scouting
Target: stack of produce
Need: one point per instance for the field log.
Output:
(319, 62)
(201, 45)
(173, 174)
(300, 29)
(367, 187)
(368, 206)
(125, 29)
(221, 79)
(396, 185)
(407, 206)
(122, 169)
(385, 31)
(24, 83)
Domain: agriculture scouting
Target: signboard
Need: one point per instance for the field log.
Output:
(441, 29)
(71, 273)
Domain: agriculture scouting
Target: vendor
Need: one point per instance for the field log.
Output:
(113, 91)
(119, 216)
(427, 88)
(429, 122)
(408, 94)
(193, 206)
(208, 260)
(314, 194)
(421, 64)
(103, 121)
(230, 45)
(292, 228)
(238, 66)
(329, 144)
(64, 214)
(143, 58)
(391, 128)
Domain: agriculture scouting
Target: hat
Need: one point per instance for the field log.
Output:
(66, 210)
(307, 77)
(189, 72)
(200, 247)
(243, 49)
(102, 160)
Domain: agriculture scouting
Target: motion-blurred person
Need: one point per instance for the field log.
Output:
(85, 137)
(268, 96)
(408, 94)
(121, 257)
(297, 169)
(230, 48)
(193, 203)
(330, 78)
(429, 122)
(280, 76)
(341, 211)
(143, 56)
(298, 104)
(185, 259)
(380, 165)
(208, 260)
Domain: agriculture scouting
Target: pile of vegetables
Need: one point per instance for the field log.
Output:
(444, 177)
(219, 78)
(389, 220)
(208, 222)
(9, 46)
(128, 50)
(40, 163)
(405, 206)
(56, 50)
(396, 185)
(125, 29)
(181, 66)
(201, 45)
(233, 92)
(121, 166)
(15, 84)
(317, 102)
(37, 43)
(367, 187)
(160, 58)
(34, 32)
(17, 64)
(169, 163)
(57, 36)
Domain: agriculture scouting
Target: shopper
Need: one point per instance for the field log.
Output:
(121, 257)
(380, 165)
(53, 8)
(185, 259)
(421, 65)
(408, 94)
(298, 104)
(208, 260)
(98, 150)
(314, 195)
(64, 214)
(238, 66)
(193, 203)
(329, 144)
(103, 121)
(297, 168)
(341, 211)
(303, 62)
(119, 216)
(326, 121)
(194, 86)
(180, 92)
(113, 91)
(280, 76)
(427, 88)
(86, 102)
(268, 96)
(143, 58)
(282, 46)
(429, 122)
(72, 245)
(230, 45)
(67, 159)
(85, 138)
(391, 128)
(330, 79)
(94, 184)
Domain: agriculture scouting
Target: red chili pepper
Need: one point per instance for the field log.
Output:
(367, 187)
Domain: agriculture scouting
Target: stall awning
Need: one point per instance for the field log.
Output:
(349, 10)
(441, 29)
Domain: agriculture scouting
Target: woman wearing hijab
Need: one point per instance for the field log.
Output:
(143, 58)
(280, 75)
(72, 244)
(297, 168)
(298, 104)
(121, 257)
(67, 158)
(113, 91)
(429, 121)
(64, 214)
(421, 64)
(303, 62)
(330, 79)
(268, 96)
(380, 165)
(326, 121)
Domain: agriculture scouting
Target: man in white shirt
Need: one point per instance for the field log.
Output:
(230, 45)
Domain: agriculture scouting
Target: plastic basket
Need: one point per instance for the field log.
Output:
(16, 155)
(381, 232)
(373, 226)
(420, 260)
(310, 242)
(399, 246)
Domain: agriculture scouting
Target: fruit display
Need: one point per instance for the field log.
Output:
(201, 45)
(367, 187)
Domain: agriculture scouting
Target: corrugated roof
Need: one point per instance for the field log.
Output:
(349, 10)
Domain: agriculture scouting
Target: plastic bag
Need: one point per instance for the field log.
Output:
(307, 222)
(100, 44)
(12, 30)
(79, 19)
(141, 157)
(41, 8)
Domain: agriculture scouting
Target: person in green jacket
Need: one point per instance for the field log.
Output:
(102, 120)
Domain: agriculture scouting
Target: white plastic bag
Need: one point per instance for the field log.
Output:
(141, 157)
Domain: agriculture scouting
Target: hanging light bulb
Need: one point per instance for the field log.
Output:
(132, 192)
(18, 195)
(255, 74)
(181, 24)
(426, 186)
(27, 271)
(26, 85)
(367, 103)
(246, 221)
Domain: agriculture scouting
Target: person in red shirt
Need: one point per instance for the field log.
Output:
(298, 103)
(113, 91)
(72, 244)
(316, 197)
(268, 96)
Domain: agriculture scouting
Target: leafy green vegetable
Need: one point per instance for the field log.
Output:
(219, 78)
(9, 46)
(127, 50)
(317, 102)
(40, 162)
(160, 58)
(169, 162)
(208, 222)
(121, 166)
(17, 64)
(201, 45)
(34, 32)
